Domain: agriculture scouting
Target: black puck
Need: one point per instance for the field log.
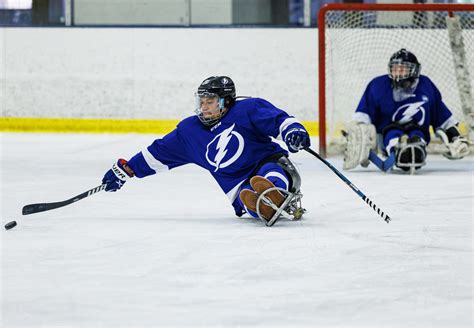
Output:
(10, 225)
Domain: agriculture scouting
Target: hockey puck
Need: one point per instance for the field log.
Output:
(10, 225)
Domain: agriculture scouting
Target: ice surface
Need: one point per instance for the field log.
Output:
(168, 251)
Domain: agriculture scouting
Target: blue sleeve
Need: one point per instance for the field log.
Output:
(163, 154)
(440, 111)
(269, 120)
(367, 104)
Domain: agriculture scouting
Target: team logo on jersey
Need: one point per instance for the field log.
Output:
(225, 148)
(410, 112)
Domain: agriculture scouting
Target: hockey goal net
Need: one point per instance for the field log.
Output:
(357, 40)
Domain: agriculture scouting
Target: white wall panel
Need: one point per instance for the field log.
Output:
(150, 72)
(123, 12)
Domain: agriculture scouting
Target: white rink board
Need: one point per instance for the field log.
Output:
(142, 258)
(152, 73)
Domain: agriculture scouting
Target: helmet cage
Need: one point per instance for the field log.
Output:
(403, 69)
(410, 70)
(220, 87)
(211, 120)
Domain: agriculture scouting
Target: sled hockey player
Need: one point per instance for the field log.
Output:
(395, 114)
(230, 138)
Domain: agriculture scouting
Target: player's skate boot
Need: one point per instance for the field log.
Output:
(260, 185)
(249, 198)
(270, 202)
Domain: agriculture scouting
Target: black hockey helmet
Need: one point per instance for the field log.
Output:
(221, 87)
(404, 69)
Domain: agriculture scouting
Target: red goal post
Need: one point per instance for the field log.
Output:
(395, 25)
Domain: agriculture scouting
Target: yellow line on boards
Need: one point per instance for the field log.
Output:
(86, 125)
(80, 125)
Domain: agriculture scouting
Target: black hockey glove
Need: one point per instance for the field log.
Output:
(117, 175)
(297, 139)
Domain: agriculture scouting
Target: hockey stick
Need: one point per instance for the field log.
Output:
(41, 207)
(350, 184)
(383, 165)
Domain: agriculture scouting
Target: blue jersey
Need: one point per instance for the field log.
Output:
(424, 107)
(231, 150)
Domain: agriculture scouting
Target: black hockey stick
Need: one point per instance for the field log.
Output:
(350, 184)
(41, 207)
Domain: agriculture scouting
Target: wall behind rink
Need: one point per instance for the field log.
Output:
(151, 73)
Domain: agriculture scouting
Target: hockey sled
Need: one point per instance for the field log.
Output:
(290, 209)
(270, 203)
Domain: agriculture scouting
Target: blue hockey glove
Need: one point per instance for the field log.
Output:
(297, 139)
(117, 175)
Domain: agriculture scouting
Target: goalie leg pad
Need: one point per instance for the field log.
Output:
(361, 138)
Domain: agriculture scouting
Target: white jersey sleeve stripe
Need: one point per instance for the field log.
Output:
(152, 162)
(285, 124)
(279, 176)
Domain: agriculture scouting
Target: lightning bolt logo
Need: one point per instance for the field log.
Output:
(223, 140)
(408, 113)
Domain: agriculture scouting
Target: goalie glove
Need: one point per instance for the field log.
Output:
(117, 175)
(457, 148)
(360, 139)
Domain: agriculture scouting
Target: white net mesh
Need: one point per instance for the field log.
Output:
(358, 45)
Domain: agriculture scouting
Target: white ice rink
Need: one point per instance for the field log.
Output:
(168, 251)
